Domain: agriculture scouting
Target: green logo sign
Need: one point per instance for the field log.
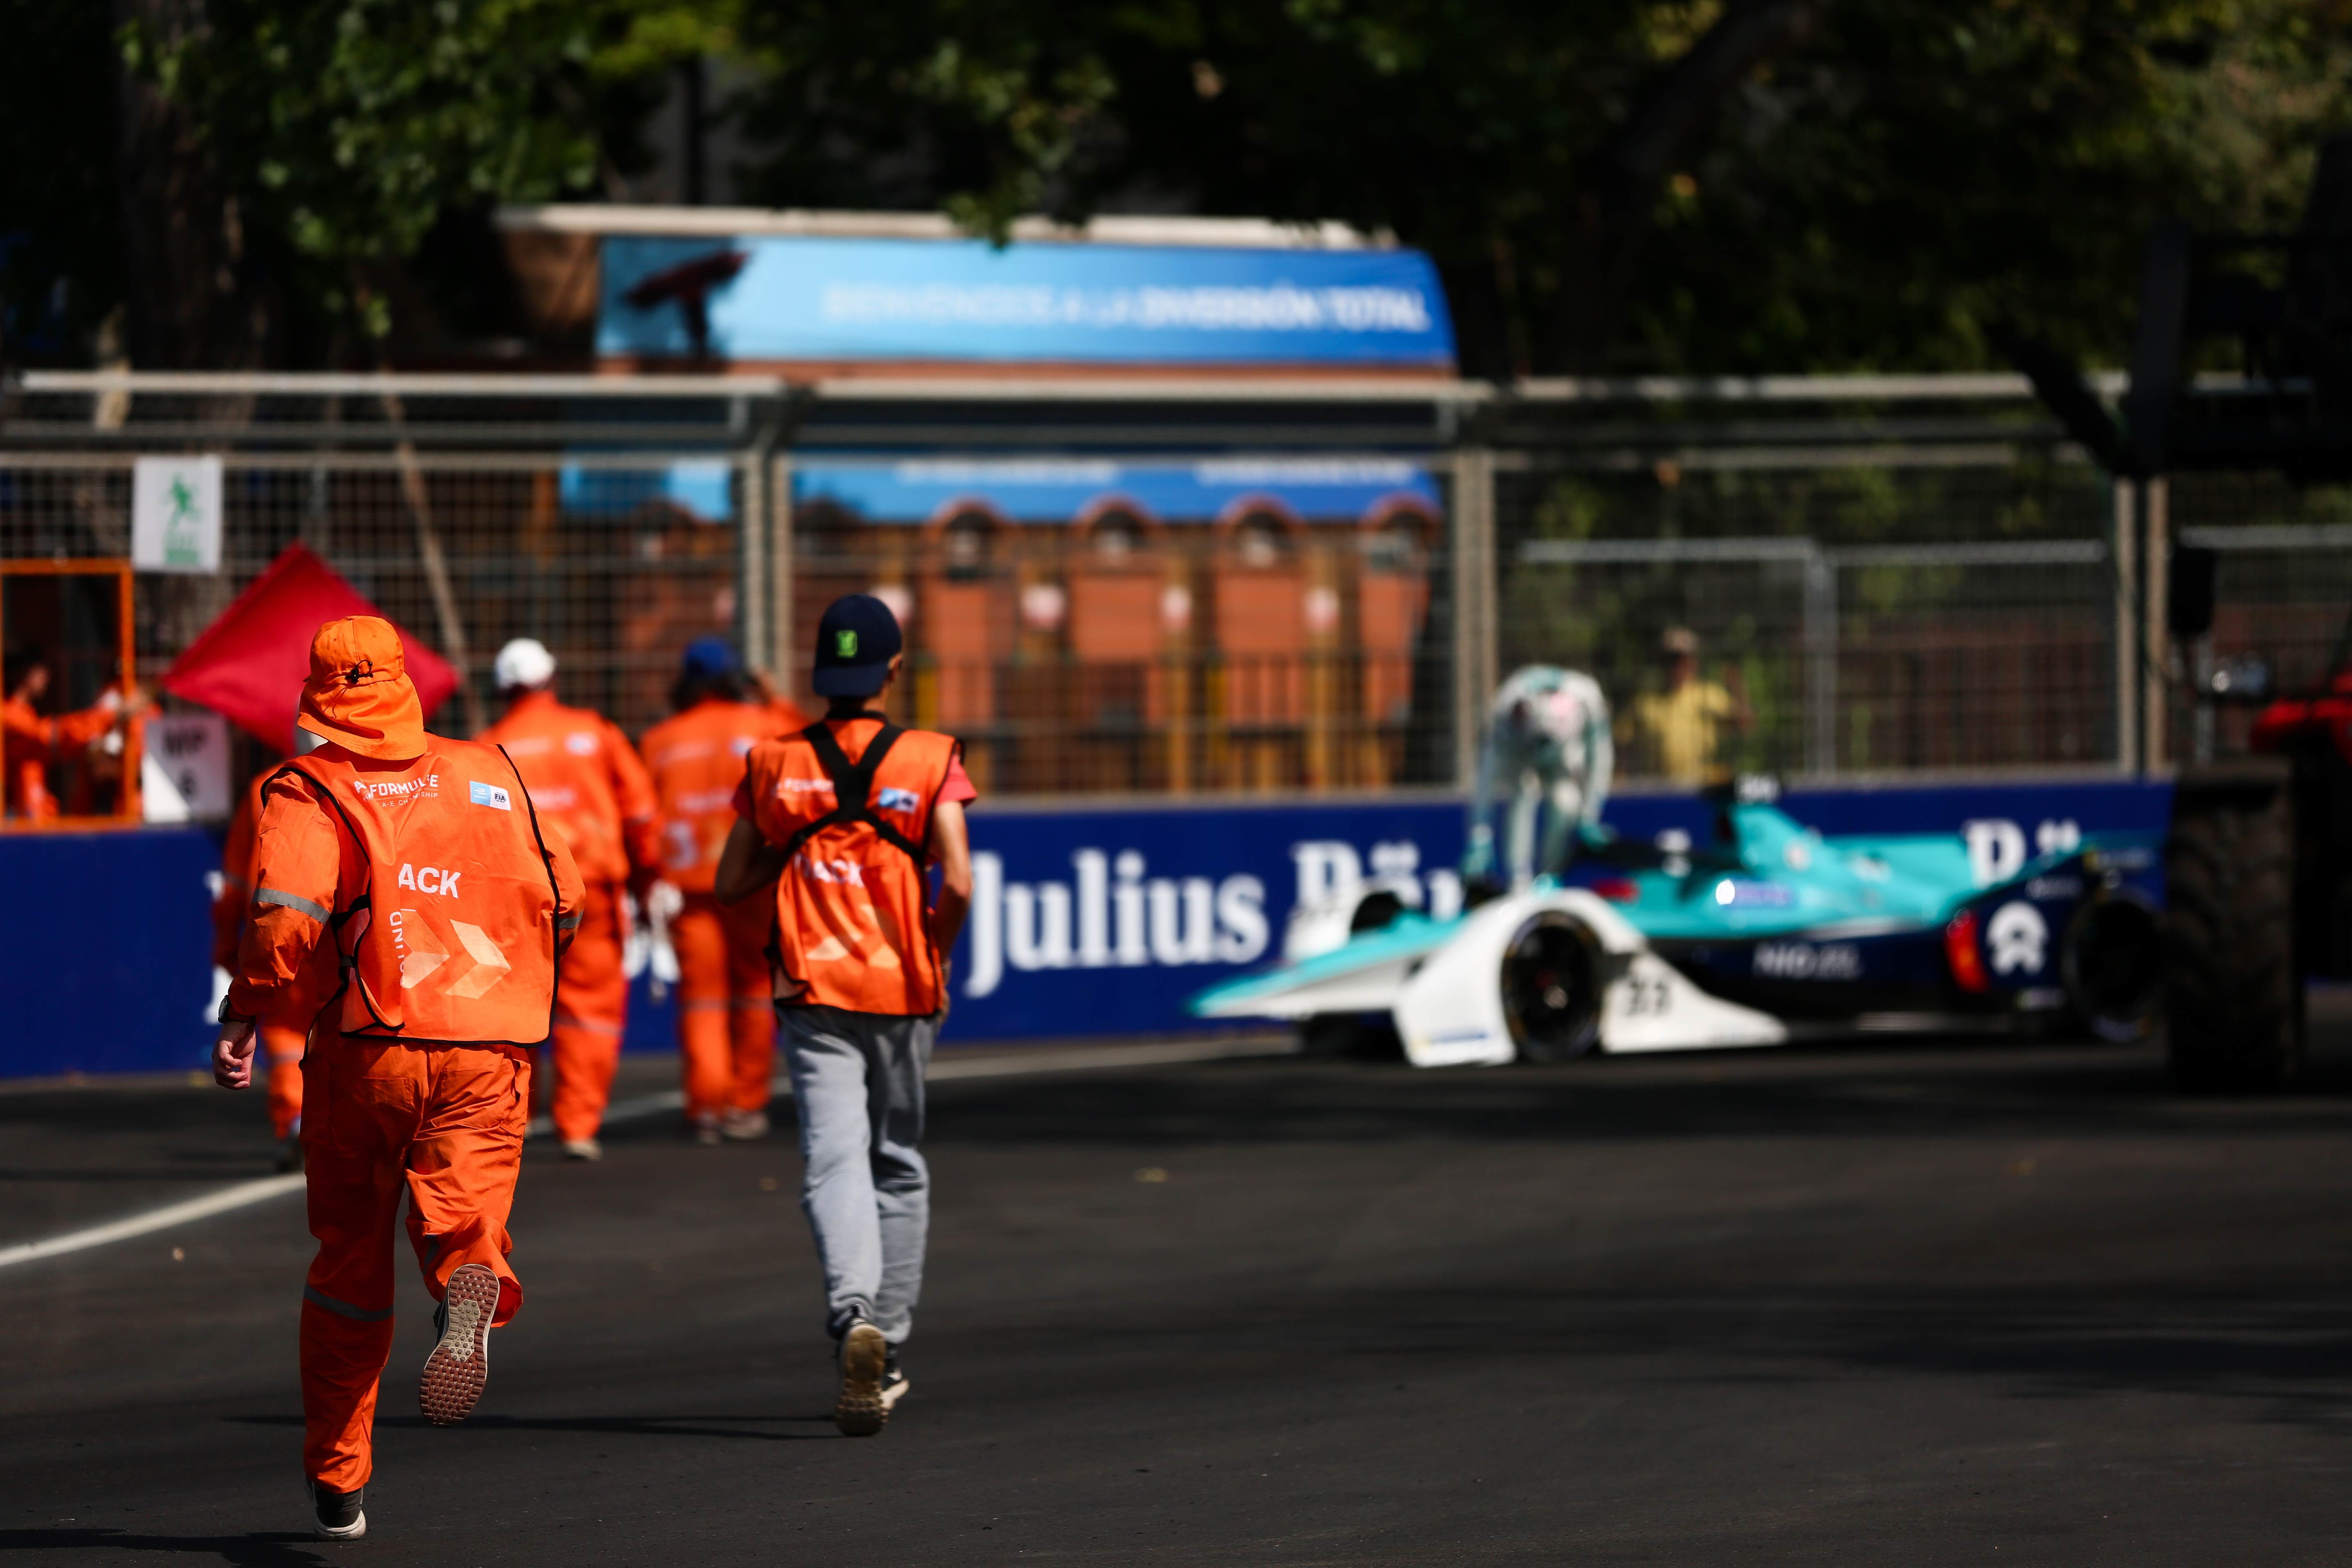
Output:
(183, 546)
(845, 645)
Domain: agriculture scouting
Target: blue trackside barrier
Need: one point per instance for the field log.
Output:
(1087, 921)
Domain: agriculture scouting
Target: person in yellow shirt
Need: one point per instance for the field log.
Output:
(1678, 734)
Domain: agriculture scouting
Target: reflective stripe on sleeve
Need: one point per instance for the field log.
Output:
(293, 901)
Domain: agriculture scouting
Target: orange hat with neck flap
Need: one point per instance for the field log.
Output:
(358, 695)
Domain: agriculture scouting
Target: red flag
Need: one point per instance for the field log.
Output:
(248, 665)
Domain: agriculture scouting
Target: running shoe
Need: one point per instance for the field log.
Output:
(862, 1411)
(460, 1364)
(705, 1129)
(338, 1515)
(583, 1148)
(894, 1386)
(289, 1154)
(742, 1125)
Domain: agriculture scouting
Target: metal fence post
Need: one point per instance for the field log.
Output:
(2155, 640)
(752, 552)
(2126, 624)
(1476, 623)
(783, 638)
(1820, 663)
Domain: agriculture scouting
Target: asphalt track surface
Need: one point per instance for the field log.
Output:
(1915, 1302)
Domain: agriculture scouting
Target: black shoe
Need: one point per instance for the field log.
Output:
(338, 1515)
(289, 1154)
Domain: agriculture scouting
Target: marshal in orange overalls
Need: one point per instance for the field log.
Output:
(420, 859)
(286, 1032)
(726, 1026)
(587, 782)
(30, 741)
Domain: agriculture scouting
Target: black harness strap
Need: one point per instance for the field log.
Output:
(853, 786)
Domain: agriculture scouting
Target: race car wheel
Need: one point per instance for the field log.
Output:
(2233, 996)
(1552, 987)
(2113, 966)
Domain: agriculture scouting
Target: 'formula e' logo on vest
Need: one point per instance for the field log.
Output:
(399, 789)
(491, 794)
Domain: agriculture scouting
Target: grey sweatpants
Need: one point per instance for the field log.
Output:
(857, 1083)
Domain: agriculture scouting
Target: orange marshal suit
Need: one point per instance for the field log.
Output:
(286, 1032)
(726, 1021)
(30, 742)
(453, 905)
(585, 781)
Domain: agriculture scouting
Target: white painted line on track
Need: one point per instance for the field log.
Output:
(211, 1204)
(245, 1193)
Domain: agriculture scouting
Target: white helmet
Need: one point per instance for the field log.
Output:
(524, 662)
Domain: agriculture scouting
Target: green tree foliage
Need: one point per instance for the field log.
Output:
(60, 249)
(1622, 184)
(1879, 181)
(346, 130)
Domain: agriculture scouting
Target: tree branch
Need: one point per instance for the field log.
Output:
(1619, 180)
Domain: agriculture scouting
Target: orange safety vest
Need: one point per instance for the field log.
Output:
(851, 928)
(453, 940)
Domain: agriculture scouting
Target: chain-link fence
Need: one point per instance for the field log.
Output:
(1152, 625)
(1215, 590)
(1841, 614)
(1100, 621)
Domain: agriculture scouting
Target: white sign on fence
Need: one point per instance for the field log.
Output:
(190, 751)
(175, 514)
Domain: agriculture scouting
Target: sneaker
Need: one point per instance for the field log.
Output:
(742, 1125)
(583, 1148)
(460, 1364)
(289, 1154)
(894, 1386)
(338, 1515)
(704, 1128)
(861, 1411)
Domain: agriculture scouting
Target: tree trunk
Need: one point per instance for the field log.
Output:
(1610, 211)
(193, 303)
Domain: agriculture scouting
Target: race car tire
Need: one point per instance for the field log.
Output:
(2233, 997)
(1552, 979)
(2113, 967)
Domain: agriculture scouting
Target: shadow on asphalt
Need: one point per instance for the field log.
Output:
(1812, 1091)
(262, 1550)
(609, 1425)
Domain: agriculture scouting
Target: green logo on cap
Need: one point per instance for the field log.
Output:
(845, 645)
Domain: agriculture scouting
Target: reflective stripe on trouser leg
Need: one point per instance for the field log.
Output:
(751, 1042)
(751, 1006)
(592, 1004)
(706, 1055)
(858, 1087)
(354, 1139)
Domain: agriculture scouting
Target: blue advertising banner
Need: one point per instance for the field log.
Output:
(1086, 922)
(806, 298)
(1057, 489)
(1103, 922)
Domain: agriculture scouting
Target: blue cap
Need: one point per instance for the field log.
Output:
(707, 658)
(855, 642)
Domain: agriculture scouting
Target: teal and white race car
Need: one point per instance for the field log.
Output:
(1685, 947)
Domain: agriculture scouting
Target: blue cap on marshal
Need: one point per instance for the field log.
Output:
(855, 642)
(708, 658)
